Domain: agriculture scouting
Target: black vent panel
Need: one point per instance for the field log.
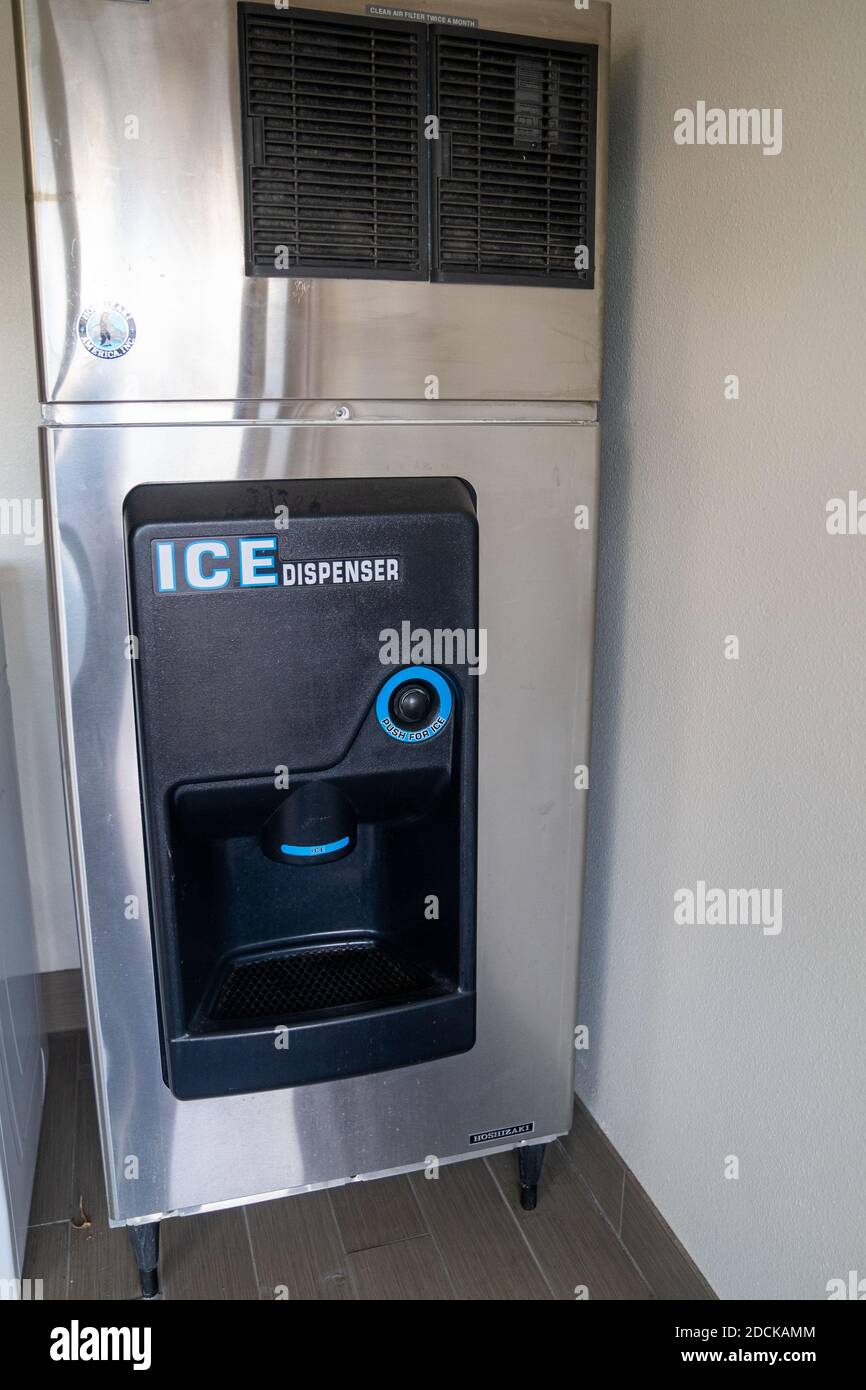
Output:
(342, 179)
(335, 162)
(515, 178)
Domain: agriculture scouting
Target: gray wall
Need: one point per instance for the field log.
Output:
(709, 1041)
(22, 564)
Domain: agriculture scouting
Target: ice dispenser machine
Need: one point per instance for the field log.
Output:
(310, 811)
(318, 294)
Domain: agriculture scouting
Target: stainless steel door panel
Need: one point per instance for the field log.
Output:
(155, 223)
(537, 603)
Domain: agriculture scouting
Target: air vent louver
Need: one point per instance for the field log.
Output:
(516, 195)
(334, 150)
(341, 181)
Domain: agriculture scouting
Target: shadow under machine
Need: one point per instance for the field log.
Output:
(319, 306)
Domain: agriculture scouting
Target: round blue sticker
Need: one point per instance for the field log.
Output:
(107, 331)
(446, 703)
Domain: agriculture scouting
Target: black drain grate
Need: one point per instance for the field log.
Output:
(313, 978)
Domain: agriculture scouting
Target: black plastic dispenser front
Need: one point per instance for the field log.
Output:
(307, 741)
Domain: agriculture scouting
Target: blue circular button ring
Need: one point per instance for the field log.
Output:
(436, 725)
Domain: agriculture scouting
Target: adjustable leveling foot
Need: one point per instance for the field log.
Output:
(530, 1158)
(145, 1247)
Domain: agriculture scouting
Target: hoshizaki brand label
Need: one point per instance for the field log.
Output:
(492, 1136)
(107, 331)
(198, 565)
(420, 16)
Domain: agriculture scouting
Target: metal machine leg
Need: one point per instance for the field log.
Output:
(145, 1247)
(530, 1158)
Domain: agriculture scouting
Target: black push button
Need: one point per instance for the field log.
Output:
(413, 704)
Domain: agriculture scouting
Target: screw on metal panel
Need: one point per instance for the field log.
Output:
(342, 412)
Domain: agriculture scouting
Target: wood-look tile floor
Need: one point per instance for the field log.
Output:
(460, 1236)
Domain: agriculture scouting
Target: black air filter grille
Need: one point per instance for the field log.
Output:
(334, 147)
(516, 186)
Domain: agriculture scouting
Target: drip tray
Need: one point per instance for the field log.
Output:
(309, 979)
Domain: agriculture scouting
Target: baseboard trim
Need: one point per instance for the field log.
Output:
(662, 1259)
